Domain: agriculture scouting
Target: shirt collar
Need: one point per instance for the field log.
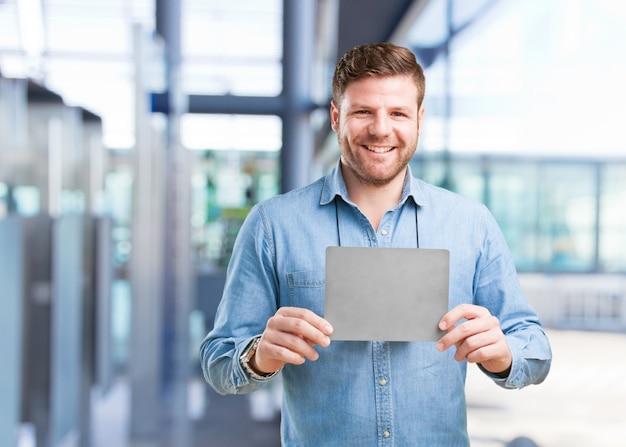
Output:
(335, 185)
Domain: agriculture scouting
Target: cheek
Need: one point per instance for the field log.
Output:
(410, 132)
(352, 129)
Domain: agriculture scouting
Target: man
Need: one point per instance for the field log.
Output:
(270, 319)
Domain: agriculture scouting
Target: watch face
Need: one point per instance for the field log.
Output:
(250, 350)
(245, 359)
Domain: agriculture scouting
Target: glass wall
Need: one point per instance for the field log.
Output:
(557, 216)
(225, 185)
(216, 64)
(513, 197)
(566, 217)
(524, 102)
(523, 77)
(612, 234)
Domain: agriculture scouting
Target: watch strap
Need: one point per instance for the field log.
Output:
(244, 361)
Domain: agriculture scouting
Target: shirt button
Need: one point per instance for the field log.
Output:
(383, 381)
(385, 232)
(386, 434)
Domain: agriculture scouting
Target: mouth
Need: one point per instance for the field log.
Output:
(379, 149)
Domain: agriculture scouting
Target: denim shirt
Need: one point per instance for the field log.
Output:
(372, 393)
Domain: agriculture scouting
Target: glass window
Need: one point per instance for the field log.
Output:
(119, 196)
(4, 200)
(429, 168)
(512, 195)
(27, 200)
(224, 185)
(548, 211)
(467, 178)
(567, 217)
(216, 63)
(512, 73)
(612, 237)
(231, 132)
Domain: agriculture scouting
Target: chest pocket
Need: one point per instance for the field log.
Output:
(306, 289)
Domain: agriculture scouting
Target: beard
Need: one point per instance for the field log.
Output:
(374, 172)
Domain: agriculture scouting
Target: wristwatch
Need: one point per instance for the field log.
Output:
(247, 355)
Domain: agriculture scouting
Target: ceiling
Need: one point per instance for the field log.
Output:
(83, 49)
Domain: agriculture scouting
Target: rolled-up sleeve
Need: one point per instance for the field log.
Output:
(497, 288)
(248, 301)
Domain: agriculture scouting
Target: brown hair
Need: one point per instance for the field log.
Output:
(377, 59)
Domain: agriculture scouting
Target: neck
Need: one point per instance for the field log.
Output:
(373, 200)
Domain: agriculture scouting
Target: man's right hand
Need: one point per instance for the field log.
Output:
(290, 336)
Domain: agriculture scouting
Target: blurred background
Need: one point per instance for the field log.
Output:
(136, 135)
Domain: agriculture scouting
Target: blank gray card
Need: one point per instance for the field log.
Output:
(390, 294)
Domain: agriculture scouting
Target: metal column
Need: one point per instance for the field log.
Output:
(67, 398)
(12, 280)
(145, 359)
(177, 267)
(298, 54)
(162, 297)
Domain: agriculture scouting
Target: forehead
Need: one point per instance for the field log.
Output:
(398, 91)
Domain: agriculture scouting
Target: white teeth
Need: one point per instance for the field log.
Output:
(379, 149)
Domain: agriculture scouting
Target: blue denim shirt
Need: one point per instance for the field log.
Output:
(375, 393)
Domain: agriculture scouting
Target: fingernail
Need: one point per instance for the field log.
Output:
(326, 341)
(442, 325)
(329, 329)
(439, 346)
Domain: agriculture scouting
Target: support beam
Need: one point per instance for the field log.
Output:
(298, 53)
(369, 21)
(145, 346)
(227, 104)
(176, 268)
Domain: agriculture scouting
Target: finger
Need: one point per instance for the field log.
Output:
(475, 347)
(287, 348)
(459, 312)
(460, 333)
(303, 323)
(309, 316)
(494, 357)
(482, 354)
(277, 348)
(290, 336)
(455, 335)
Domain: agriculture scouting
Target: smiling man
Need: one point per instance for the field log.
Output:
(270, 319)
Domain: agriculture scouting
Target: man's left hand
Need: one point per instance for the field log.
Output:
(479, 339)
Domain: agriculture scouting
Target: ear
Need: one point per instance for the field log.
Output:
(420, 119)
(334, 116)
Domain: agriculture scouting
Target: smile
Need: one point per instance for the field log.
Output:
(379, 149)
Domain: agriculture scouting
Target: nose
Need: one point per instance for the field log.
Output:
(380, 125)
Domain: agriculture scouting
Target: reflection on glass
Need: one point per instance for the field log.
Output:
(567, 217)
(27, 200)
(4, 200)
(225, 185)
(557, 216)
(513, 200)
(612, 235)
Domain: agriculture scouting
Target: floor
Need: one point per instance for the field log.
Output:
(581, 404)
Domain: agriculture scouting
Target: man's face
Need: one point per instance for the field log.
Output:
(377, 124)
